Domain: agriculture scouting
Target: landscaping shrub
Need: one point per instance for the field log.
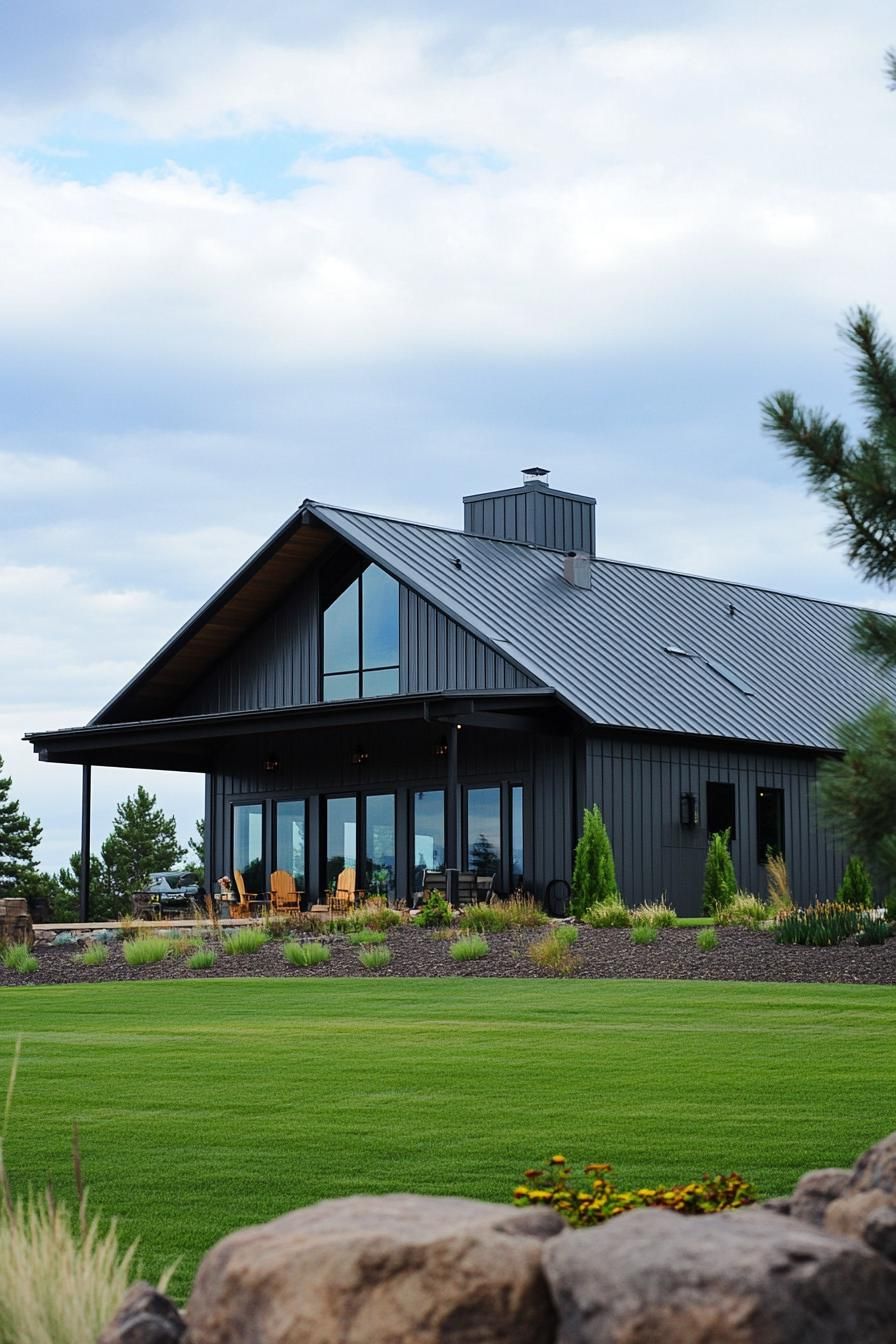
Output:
(184, 944)
(469, 948)
(745, 909)
(435, 913)
(821, 925)
(556, 1188)
(719, 881)
(594, 872)
(485, 917)
(856, 887)
(523, 912)
(360, 937)
(375, 958)
(19, 957)
(567, 933)
(289, 924)
(306, 954)
(656, 914)
(607, 915)
(95, 955)
(780, 897)
(445, 935)
(873, 931)
(244, 941)
(144, 951)
(707, 940)
(553, 954)
(202, 961)
(374, 915)
(642, 934)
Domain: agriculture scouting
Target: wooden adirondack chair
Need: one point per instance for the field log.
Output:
(340, 901)
(240, 910)
(284, 895)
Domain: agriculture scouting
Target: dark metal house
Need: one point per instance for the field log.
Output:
(397, 697)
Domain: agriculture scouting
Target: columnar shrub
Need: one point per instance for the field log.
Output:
(856, 888)
(594, 872)
(719, 881)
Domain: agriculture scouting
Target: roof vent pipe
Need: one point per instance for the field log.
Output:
(577, 569)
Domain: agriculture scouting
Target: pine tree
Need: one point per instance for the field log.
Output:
(594, 871)
(19, 836)
(856, 888)
(196, 845)
(719, 880)
(142, 841)
(857, 794)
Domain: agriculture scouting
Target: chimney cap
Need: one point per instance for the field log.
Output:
(535, 473)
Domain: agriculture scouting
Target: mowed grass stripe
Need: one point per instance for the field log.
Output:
(206, 1105)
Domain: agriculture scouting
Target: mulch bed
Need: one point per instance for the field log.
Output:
(601, 954)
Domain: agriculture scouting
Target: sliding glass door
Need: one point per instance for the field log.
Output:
(248, 851)
(289, 840)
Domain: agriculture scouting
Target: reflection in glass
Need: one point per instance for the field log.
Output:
(516, 835)
(342, 826)
(247, 853)
(483, 831)
(379, 602)
(341, 632)
(429, 833)
(342, 686)
(380, 846)
(384, 681)
(291, 840)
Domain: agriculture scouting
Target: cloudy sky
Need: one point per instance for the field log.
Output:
(384, 256)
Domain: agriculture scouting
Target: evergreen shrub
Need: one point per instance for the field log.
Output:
(719, 881)
(594, 871)
(856, 887)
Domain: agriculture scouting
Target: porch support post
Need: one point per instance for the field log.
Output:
(84, 879)
(451, 846)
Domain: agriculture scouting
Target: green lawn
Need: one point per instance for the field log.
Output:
(205, 1105)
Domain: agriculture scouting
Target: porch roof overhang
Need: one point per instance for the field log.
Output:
(195, 743)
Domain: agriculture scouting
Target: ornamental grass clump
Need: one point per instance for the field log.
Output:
(243, 942)
(655, 914)
(707, 940)
(594, 871)
(585, 1201)
(551, 953)
(435, 912)
(95, 955)
(642, 934)
(362, 937)
(719, 880)
(375, 958)
(202, 961)
(469, 948)
(19, 957)
(780, 897)
(607, 915)
(746, 910)
(822, 925)
(485, 917)
(145, 951)
(306, 954)
(374, 915)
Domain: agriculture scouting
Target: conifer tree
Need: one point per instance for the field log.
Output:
(856, 888)
(143, 840)
(594, 871)
(719, 880)
(19, 835)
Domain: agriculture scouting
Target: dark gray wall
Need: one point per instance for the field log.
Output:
(638, 786)
(536, 514)
(277, 664)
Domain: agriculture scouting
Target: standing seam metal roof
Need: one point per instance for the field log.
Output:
(603, 649)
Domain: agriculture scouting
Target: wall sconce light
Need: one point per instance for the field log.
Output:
(442, 747)
(688, 809)
(359, 756)
(272, 763)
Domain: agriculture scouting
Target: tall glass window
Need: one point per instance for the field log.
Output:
(516, 835)
(290, 840)
(342, 831)
(248, 820)
(429, 833)
(484, 831)
(379, 845)
(361, 639)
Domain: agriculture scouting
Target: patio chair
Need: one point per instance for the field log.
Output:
(342, 898)
(284, 895)
(241, 909)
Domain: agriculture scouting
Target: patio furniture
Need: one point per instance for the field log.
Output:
(248, 899)
(284, 895)
(342, 898)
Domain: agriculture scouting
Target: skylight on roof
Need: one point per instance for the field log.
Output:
(714, 666)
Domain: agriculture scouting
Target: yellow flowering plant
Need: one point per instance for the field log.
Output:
(557, 1188)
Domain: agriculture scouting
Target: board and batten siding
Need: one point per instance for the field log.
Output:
(277, 664)
(638, 786)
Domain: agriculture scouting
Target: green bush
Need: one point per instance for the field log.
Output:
(485, 917)
(469, 948)
(96, 955)
(719, 881)
(873, 931)
(435, 913)
(655, 914)
(607, 915)
(306, 954)
(821, 925)
(594, 872)
(745, 909)
(144, 951)
(243, 941)
(18, 957)
(643, 934)
(203, 960)
(566, 933)
(553, 954)
(856, 887)
(375, 958)
(707, 940)
(360, 937)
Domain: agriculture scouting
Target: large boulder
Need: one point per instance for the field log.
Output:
(392, 1269)
(747, 1277)
(813, 1193)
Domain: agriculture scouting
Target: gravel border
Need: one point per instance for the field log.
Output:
(601, 954)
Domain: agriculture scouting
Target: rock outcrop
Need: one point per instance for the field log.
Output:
(15, 921)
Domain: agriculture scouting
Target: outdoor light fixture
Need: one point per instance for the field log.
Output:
(359, 756)
(272, 763)
(688, 809)
(442, 747)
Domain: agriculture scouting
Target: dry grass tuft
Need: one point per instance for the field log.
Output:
(553, 954)
(780, 897)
